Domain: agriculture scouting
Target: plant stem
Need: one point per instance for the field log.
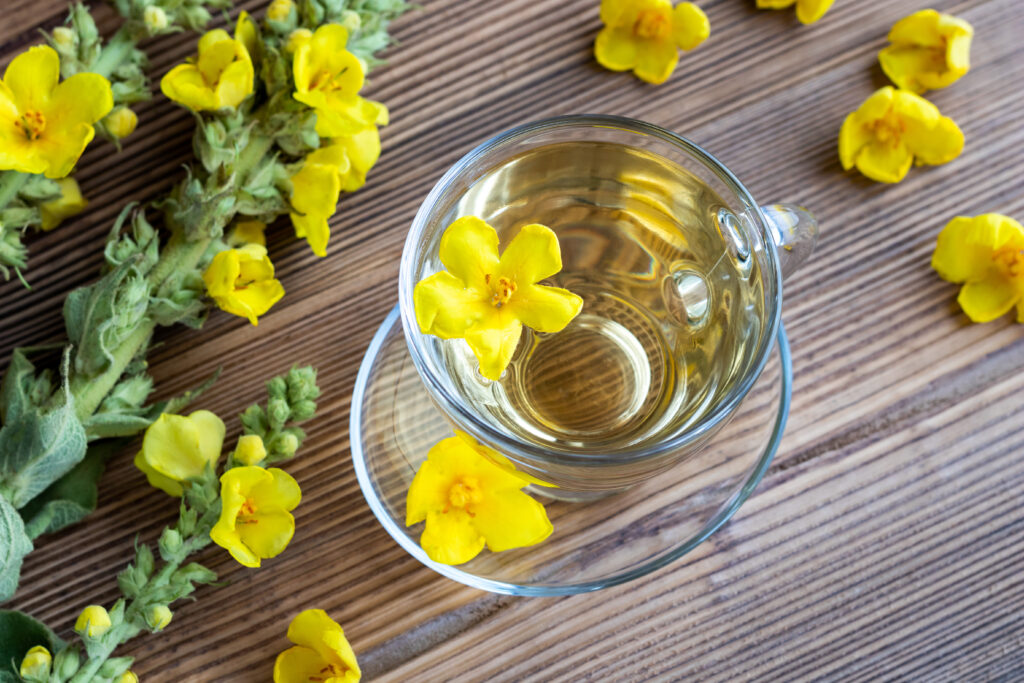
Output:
(113, 53)
(90, 392)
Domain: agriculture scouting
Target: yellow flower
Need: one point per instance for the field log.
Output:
(248, 34)
(891, 130)
(247, 232)
(644, 35)
(45, 124)
(69, 203)
(315, 191)
(321, 652)
(178, 448)
(279, 10)
(807, 11)
(467, 500)
(93, 622)
(221, 76)
(485, 299)
(158, 617)
(328, 78)
(255, 519)
(986, 253)
(928, 51)
(250, 450)
(36, 664)
(242, 281)
(121, 122)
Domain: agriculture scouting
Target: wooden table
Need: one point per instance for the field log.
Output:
(887, 539)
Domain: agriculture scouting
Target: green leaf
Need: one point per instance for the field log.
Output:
(19, 633)
(14, 545)
(106, 425)
(38, 447)
(70, 498)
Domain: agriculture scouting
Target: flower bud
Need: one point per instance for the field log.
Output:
(277, 387)
(250, 450)
(158, 616)
(351, 21)
(155, 19)
(303, 410)
(278, 411)
(36, 664)
(170, 543)
(93, 622)
(286, 444)
(122, 121)
(67, 663)
(279, 10)
(297, 38)
(64, 38)
(128, 677)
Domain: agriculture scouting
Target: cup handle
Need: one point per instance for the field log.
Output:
(795, 231)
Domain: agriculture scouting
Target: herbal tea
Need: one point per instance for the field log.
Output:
(673, 302)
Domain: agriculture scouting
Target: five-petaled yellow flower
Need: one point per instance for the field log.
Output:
(485, 299)
(645, 36)
(807, 11)
(178, 448)
(467, 501)
(69, 203)
(986, 253)
(221, 76)
(321, 652)
(46, 123)
(929, 50)
(891, 130)
(255, 519)
(328, 78)
(242, 281)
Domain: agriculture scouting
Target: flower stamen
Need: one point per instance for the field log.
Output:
(502, 291)
(31, 124)
(652, 24)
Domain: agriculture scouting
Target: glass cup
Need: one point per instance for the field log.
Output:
(681, 275)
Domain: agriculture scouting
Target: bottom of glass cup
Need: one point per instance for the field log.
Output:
(600, 540)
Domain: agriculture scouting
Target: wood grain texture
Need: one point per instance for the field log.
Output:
(887, 539)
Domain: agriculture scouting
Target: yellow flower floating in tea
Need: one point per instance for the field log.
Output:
(929, 50)
(807, 11)
(986, 254)
(646, 35)
(321, 652)
(45, 123)
(892, 130)
(471, 496)
(486, 299)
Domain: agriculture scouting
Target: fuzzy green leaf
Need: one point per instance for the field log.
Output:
(70, 498)
(19, 633)
(14, 545)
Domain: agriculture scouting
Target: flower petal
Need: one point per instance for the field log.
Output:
(451, 538)
(269, 532)
(939, 145)
(185, 85)
(655, 61)
(511, 519)
(235, 84)
(690, 26)
(986, 300)
(494, 344)
(445, 308)
(809, 11)
(545, 309)
(615, 48)
(280, 490)
(211, 435)
(853, 137)
(308, 627)
(532, 255)
(32, 76)
(774, 4)
(469, 251)
(884, 162)
(158, 480)
(298, 665)
(82, 98)
(229, 539)
(958, 258)
(171, 447)
(429, 488)
(903, 65)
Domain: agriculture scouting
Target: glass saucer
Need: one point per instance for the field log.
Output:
(595, 544)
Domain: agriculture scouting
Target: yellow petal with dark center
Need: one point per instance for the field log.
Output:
(451, 538)
(511, 519)
(469, 251)
(545, 309)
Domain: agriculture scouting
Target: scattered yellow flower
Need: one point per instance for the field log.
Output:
(250, 450)
(467, 500)
(93, 622)
(255, 520)
(45, 124)
(321, 652)
(247, 232)
(891, 130)
(158, 617)
(929, 50)
(221, 76)
(69, 203)
(807, 11)
(485, 299)
(315, 191)
(242, 281)
(645, 36)
(986, 253)
(178, 448)
(279, 10)
(121, 122)
(328, 78)
(36, 664)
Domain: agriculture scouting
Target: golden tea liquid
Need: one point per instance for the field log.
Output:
(673, 302)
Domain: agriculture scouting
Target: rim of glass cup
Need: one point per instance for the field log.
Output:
(510, 446)
(453, 572)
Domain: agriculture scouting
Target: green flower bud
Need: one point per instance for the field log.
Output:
(277, 388)
(303, 410)
(67, 662)
(351, 21)
(170, 544)
(158, 616)
(155, 19)
(302, 384)
(286, 444)
(115, 667)
(35, 666)
(64, 39)
(278, 411)
(144, 560)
